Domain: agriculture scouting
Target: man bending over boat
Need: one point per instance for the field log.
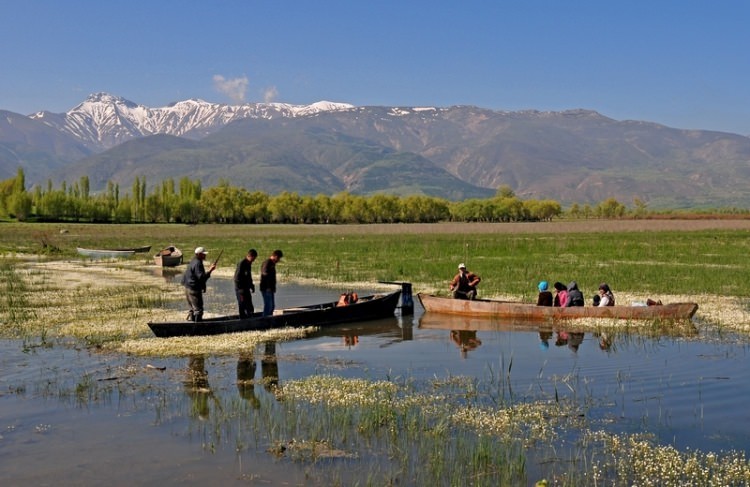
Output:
(464, 285)
(194, 280)
(268, 282)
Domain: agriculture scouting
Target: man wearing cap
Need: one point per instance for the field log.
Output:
(464, 285)
(194, 280)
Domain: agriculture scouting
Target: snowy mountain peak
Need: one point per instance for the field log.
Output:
(104, 120)
(108, 99)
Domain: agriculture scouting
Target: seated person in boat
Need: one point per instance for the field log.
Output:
(464, 285)
(561, 294)
(545, 296)
(575, 296)
(606, 298)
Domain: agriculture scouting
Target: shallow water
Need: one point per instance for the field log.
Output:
(76, 417)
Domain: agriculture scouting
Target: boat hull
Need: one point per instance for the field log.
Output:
(532, 313)
(367, 308)
(105, 253)
(168, 257)
(111, 253)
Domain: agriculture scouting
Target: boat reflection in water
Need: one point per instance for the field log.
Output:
(463, 331)
(396, 329)
(168, 273)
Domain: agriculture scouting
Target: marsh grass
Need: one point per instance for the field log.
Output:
(462, 431)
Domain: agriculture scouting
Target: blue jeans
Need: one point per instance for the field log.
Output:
(269, 302)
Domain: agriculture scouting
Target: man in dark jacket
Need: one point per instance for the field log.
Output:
(243, 284)
(575, 296)
(194, 280)
(268, 282)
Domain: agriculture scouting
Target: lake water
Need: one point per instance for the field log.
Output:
(72, 416)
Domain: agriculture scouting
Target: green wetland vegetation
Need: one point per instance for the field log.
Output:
(343, 426)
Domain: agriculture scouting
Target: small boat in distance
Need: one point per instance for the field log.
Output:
(532, 313)
(111, 253)
(367, 308)
(168, 257)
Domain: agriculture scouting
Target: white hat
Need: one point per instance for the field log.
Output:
(200, 250)
(462, 266)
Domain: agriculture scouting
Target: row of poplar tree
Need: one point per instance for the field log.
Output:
(188, 202)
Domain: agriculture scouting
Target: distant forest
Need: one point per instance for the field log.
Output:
(188, 202)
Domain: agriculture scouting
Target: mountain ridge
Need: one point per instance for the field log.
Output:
(456, 152)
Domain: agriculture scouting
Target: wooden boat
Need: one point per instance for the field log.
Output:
(439, 321)
(367, 308)
(111, 253)
(168, 257)
(105, 253)
(531, 312)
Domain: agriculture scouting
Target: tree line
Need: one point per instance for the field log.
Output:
(186, 201)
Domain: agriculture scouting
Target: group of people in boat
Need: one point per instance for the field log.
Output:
(464, 286)
(196, 275)
(570, 295)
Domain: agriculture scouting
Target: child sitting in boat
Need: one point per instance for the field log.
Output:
(545, 296)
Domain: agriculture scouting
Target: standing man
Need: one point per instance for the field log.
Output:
(464, 285)
(268, 282)
(194, 280)
(243, 284)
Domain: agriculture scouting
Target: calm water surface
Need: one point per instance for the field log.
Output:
(70, 416)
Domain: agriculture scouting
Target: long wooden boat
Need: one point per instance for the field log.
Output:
(112, 253)
(531, 312)
(439, 321)
(168, 257)
(367, 308)
(105, 253)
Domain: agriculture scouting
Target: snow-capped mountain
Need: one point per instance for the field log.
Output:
(103, 121)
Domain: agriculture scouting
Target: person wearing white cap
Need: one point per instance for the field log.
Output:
(194, 279)
(464, 285)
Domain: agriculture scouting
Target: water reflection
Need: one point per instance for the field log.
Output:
(246, 368)
(572, 339)
(544, 337)
(394, 330)
(269, 367)
(197, 387)
(167, 273)
(465, 340)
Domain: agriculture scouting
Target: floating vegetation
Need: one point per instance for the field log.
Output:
(430, 422)
(636, 460)
(224, 344)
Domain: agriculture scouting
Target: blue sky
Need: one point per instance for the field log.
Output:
(682, 63)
